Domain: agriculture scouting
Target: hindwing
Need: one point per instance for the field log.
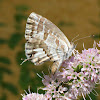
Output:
(45, 41)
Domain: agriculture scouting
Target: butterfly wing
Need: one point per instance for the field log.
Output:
(45, 41)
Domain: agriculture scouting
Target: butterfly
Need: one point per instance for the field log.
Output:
(46, 42)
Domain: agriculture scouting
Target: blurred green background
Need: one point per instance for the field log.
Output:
(73, 17)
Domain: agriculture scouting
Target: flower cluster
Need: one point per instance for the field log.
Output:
(34, 96)
(77, 77)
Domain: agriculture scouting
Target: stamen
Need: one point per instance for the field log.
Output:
(89, 97)
(83, 96)
(29, 89)
(96, 94)
(26, 92)
(39, 75)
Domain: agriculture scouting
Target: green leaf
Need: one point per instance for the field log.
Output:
(36, 82)
(2, 24)
(22, 8)
(1, 77)
(62, 23)
(5, 70)
(3, 97)
(14, 40)
(43, 68)
(24, 79)
(18, 27)
(2, 41)
(19, 17)
(20, 55)
(10, 87)
(5, 60)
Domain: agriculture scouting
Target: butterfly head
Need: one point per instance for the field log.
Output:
(72, 46)
(70, 50)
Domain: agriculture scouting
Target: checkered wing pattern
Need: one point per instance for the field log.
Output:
(45, 41)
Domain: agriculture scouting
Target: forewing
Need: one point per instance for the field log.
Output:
(38, 24)
(45, 41)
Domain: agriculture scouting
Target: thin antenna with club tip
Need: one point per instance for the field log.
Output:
(74, 38)
(84, 37)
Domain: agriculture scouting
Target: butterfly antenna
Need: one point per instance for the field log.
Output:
(84, 37)
(74, 38)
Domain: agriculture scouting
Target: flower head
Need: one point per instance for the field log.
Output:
(34, 96)
(78, 76)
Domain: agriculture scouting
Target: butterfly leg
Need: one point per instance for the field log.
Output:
(55, 66)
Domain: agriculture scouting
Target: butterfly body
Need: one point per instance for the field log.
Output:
(46, 42)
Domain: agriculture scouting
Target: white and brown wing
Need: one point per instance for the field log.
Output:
(45, 41)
